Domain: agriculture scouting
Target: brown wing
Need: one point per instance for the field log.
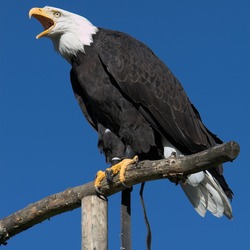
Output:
(150, 85)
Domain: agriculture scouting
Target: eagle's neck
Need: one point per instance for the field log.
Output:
(76, 35)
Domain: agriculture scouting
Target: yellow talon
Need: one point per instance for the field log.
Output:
(122, 166)
(99, 177)
(114, 170)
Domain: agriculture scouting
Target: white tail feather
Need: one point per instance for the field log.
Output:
(196, 197)
(203, 191)
(226, 203)
(208, 195)
(195, 179)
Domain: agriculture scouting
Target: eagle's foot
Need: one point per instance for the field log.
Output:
(98, 179)
(112, 171)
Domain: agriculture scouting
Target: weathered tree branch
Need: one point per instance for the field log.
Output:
(142, 172)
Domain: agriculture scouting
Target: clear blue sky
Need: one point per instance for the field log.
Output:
(47, 146)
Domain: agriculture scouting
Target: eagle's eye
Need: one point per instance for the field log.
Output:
(57, 14)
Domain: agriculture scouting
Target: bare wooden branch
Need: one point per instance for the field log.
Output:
(142, 172)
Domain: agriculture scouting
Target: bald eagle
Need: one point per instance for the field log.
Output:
(134, 102)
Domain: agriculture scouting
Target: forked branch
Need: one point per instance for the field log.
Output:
(142, 172)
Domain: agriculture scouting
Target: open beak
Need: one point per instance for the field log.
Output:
(47, 22)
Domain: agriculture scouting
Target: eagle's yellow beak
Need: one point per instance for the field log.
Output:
(43, 17)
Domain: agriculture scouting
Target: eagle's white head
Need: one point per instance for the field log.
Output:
(69, 32)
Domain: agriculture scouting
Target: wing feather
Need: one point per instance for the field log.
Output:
(147, 81)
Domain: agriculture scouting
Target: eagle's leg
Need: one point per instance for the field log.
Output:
(120, 168)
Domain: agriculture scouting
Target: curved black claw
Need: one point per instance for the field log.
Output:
(126, 186)
(109, 175)
(98, 191)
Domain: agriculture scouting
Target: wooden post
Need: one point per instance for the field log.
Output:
(94, 223)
